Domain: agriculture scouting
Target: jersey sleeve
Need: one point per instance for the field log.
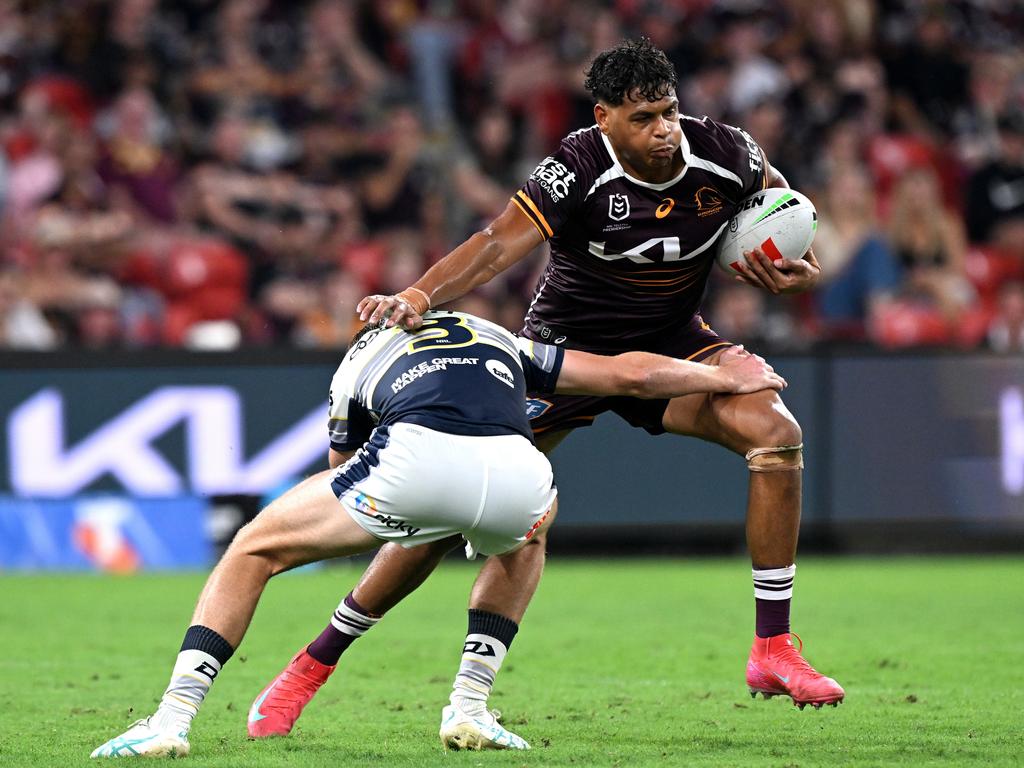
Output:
(742, 155)
(554, 190)
(349, 423)
(350, 426)
(541, 364)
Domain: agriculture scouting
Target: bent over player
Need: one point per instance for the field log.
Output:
(631, 208)
(430, 433)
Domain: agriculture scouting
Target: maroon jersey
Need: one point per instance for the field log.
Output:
(630, 259)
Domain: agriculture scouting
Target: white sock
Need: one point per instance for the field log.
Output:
(482, 656)
(194, 673)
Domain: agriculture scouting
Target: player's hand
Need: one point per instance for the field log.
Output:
(397, 310)
(780, 275)
(746, 373)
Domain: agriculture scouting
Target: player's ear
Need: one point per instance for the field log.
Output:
(601, 116)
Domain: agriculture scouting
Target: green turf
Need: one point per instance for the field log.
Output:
(620, 663)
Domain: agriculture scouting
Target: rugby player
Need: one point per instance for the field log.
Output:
(631, 208)
(429, 440)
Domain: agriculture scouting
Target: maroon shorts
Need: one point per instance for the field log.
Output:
(692, 341)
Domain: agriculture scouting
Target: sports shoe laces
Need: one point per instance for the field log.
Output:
(791, 655)
(293, 688)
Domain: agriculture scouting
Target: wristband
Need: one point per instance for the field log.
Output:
(413, 301)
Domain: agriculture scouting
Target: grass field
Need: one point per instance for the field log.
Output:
(619, 663)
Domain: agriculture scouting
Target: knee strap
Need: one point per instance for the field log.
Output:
(780, 459)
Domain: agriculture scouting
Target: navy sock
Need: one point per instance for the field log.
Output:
(200, 638)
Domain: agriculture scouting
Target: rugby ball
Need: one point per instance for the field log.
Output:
(781, 222)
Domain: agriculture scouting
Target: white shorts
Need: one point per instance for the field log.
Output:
(413, 485)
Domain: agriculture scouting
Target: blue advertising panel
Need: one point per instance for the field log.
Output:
(107, 533)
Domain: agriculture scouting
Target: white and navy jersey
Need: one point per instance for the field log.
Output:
(629, 258)
(458, 374)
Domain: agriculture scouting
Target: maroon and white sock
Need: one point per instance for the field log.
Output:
(349, 622)
(773, 592)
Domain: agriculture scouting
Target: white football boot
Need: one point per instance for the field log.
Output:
(143, 740)
(463, 731)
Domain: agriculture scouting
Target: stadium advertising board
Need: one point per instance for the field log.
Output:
(888, 438)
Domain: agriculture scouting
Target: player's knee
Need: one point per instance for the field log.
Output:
(783, 429)
(778, 444)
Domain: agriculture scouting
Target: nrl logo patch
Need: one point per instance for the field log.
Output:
(618, 207)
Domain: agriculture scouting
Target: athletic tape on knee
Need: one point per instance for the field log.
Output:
(780, 459)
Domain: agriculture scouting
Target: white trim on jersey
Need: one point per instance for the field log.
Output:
(707, 165)
(617, 171)
(536, 297)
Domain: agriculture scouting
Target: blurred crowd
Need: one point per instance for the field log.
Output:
(216, 174)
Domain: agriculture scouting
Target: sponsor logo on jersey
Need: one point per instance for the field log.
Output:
(709, 201)
(364, 340)
(535, 407)
(554, 177)
(618, 207)
(665, 208)
(754, 156)
(422, 369)
(500, 371)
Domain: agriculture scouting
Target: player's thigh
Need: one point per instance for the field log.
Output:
(303, 525)
(739, 422)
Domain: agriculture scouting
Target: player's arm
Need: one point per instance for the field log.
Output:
(647, 375)
(492, 250)
(783, 275)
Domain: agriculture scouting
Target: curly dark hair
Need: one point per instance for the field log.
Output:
(632, 65)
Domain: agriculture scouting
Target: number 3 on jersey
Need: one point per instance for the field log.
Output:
(442, 333)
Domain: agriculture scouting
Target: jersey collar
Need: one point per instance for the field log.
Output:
(684, 147)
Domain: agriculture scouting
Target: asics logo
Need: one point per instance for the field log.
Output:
(665, 208)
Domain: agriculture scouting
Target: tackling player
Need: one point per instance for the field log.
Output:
(632, 207)
(429, 439)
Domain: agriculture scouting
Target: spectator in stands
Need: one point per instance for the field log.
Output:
(22, 324)
(136, 164)
(930, 244)
(320, 137)
(859, 270)
(1006, 331)
(995, 192)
